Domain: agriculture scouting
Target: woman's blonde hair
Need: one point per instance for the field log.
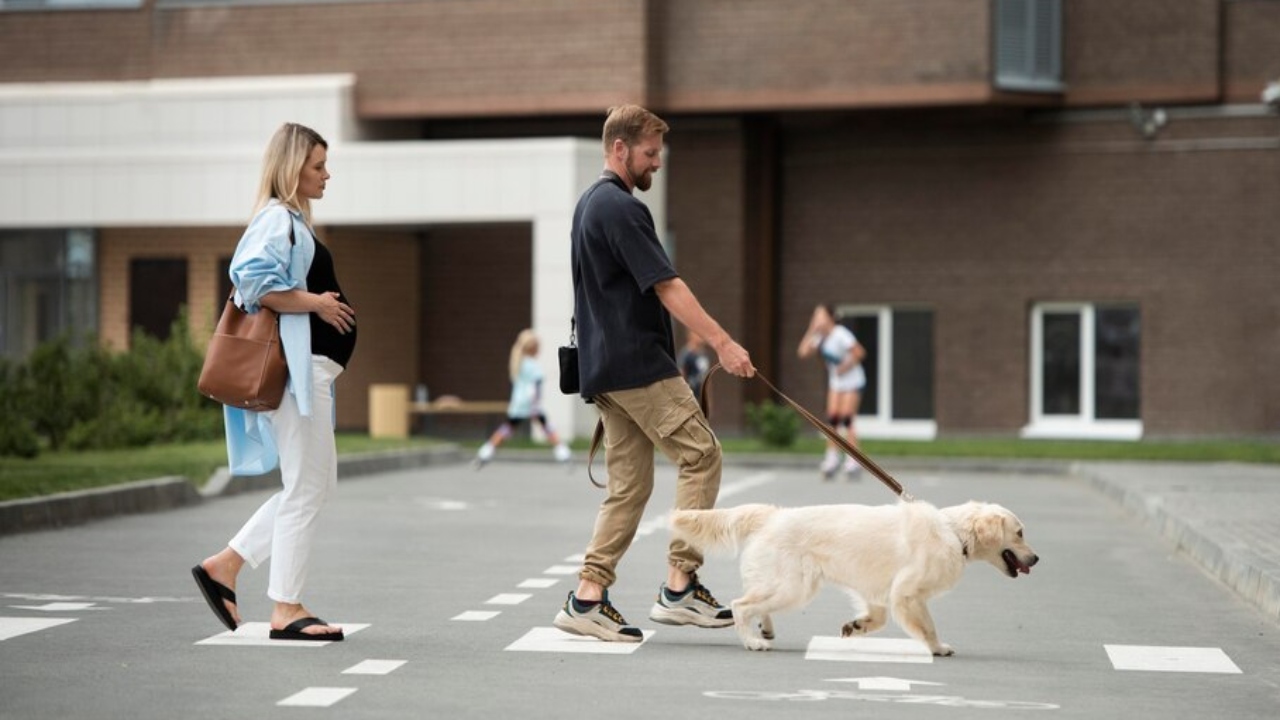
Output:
(282, 165)
(519, 350)
(630, 124)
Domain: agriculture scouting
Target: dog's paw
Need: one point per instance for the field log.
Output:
(757, 644)
(943, 650)
(855, 627)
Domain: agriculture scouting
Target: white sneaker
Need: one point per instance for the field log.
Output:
(829, 465)
(483, 456)
(852, 470)
(562, 453)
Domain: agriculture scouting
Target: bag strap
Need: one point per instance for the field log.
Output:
(830, 433)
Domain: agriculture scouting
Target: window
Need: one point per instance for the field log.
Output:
(157, 292)
(898, 399)
(1085, 371)
(47, 288)
(1028, 45)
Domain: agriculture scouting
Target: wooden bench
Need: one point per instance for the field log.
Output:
(390, 409)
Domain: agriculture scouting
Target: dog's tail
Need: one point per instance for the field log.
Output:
(719, 529)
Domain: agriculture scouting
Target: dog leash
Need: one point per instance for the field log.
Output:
(881, 474)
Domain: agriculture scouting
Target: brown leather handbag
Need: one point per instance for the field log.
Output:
(244, 364)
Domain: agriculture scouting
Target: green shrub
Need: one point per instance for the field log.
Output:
(777, 425)
(17, 433)
(88, 398)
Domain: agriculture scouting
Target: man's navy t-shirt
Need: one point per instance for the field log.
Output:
(624, 333)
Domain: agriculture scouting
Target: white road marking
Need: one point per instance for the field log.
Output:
(443, 504)
(884, 683)
(549, 639)
(1170, 659)
(59, 607)
(105, 599)
(508, 599)
(861, 649)
(317, 697)
(374, 667)
(562, 570)
(259, 634)
(579, 558)
(477, 615)
(12, 627)
(538, 583)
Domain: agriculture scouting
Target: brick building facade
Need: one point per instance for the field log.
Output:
(858, 152)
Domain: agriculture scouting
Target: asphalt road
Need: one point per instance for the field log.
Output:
(104, 621)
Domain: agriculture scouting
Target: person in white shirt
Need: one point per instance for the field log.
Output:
(842, 355)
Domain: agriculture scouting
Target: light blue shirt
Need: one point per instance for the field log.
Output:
(526, 390)
(266, 261)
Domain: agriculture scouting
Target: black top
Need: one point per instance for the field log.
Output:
(325, 338)
(624, 333)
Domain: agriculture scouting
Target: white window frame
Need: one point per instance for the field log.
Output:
(1083, 425)
(883, 425)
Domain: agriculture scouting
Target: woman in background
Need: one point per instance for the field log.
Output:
(842, 354)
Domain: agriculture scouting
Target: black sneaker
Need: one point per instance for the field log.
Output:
(598, 620)
(694, 606)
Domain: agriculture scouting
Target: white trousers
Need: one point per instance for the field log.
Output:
(284, 527)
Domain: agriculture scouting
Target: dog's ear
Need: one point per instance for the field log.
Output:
(988, 529)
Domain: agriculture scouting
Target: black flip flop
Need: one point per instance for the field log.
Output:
(294, 631)
(214, 593)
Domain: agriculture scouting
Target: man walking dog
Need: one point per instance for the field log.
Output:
(625, 293)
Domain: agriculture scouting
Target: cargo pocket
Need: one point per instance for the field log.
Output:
(686, 437)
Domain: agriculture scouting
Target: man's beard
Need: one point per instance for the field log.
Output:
(642, 181)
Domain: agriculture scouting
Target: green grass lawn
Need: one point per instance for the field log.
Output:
(62, 471)
(57, 472)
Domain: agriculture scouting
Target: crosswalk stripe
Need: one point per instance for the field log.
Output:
(12, 627)
(1170, 659)
(476, 615)
(316, 697)
(508, 599)
(374, 667)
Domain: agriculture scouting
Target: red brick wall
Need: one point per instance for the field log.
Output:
(1250, 56)
(762, 54)
(979, 223)
(1140, 51)
(705, 211)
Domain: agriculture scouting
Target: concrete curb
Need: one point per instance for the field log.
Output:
(81, 506)
(1234, 565)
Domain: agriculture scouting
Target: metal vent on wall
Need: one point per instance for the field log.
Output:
(1028, 45)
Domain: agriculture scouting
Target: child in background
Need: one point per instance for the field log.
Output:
(526, 401)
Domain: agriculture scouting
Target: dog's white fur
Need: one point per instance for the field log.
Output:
(889, 558)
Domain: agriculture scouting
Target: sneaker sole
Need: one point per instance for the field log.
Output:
(581, 626)
(679, 616)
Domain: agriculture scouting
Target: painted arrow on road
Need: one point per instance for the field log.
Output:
(883, 683)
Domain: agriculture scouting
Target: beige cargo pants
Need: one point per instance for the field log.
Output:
(664, 415)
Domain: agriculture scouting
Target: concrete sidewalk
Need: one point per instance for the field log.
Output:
(1221, 515)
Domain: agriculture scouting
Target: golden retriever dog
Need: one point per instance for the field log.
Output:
(889, 558)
